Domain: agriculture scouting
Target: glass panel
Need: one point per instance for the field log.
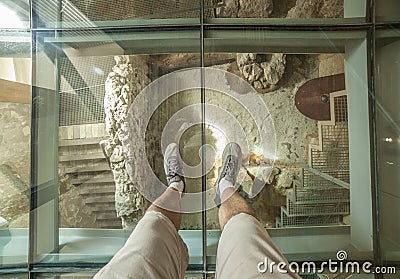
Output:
(388, 141)
(387, 10)
(15, 124)
(293, 11)
(75, 13)
(108, 126)
(82, 275)
(15, 14)
(89, 276)
(15, 276)
(291, 103)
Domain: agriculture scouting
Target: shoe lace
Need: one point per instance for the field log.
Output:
(173, 166)
(229, 168)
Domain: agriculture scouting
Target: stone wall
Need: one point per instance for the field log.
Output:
(317, 9)
(127, 79)
(282, 9)
(14, 163)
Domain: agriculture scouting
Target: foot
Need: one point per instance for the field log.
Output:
(173, 165)
(231, 163)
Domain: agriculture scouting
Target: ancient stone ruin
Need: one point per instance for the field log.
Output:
(123, 84)
(246, 9)
(262, 71)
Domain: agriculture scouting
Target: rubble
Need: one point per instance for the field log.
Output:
(246, 9)
(317, 9)
(261, 70)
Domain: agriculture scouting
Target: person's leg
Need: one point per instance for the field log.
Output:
(244, 244)
(232, 204)
(155, 249)
(169, 204)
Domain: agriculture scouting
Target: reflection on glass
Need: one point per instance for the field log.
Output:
(387, 10)
(14, 14)
(15, 80)
(76, 13)
(388, 141)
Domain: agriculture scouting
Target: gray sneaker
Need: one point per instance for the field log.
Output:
(172, 165)
(231, 163)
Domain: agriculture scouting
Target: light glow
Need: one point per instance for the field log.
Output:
(220, 138)
(9, 18)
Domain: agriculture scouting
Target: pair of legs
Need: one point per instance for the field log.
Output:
(232, 205)
(155, 249)
(231, 202)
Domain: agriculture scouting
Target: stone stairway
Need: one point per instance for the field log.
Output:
(81, 159)
(322, 196)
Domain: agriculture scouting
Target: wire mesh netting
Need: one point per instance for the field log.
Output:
(101, 10)
(334, 157)
(300, 221)
(82, 89)
(314, 181)
(294, 209)
(319, 195)
(77, 13)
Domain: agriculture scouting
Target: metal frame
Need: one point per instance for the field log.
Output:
(370, 25)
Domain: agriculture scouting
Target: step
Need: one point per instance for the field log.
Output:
(81, 157)
(80, 142)
(317, 199)
(102, 206)
(85, 169)
(106, 215)
(99, 199)
(314, 178)
(109, 224)
(85, 189)
(331, 148)
(302, 221)
(92, 180)
(317, 209)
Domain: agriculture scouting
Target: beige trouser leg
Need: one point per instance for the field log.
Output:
(244, 243)
(154, 250)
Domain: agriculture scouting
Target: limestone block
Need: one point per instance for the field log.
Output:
(246, 9)
(262, 71)
(285, 179)
(331, 64)
(317, 9)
